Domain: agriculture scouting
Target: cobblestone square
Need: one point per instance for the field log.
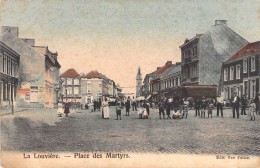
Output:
(84, 131)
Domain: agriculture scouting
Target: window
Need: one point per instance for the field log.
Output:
(252, 64)
(76, 90)
(69, 81)
(245, 66)
(253, 89)
(5, 64)
(195, 51)
(231, 73)
(76, 81)
(237, 71)
(225, 74)
(69, 90)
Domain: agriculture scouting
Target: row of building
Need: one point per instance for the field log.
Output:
(81, 89)
(29, 74)
(218, 58)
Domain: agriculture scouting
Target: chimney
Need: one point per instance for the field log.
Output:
(12, 30)
(158, 68)
(168, 63)
(30, 42)
(219, 22)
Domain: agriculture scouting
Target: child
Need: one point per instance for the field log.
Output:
(145, 114)
(118, 110)
(140, 112)
(210, 108)
(161, 110)
(252, 110)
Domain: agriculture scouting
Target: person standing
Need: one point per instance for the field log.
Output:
(118, 110)
(244, 105)
(168, 109)
(235, 103)
(197, 107)
(203, 107)
(67, 109)
(134, 104)
(220, 104)
(106, 108)
(257, 103)
(127, 106)
(99, 104)
(161, 110)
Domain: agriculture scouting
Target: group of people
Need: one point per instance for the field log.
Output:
(253, 106)
(178, 106)
(174, 105)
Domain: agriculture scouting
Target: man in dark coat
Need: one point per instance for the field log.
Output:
(244, 104)
(235, 103)
(67, 109)
(197, 107)
(127, 106)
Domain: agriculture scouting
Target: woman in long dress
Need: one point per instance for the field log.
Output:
(106, 109)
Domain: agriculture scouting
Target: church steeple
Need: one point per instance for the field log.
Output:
(139, 75)
(138, 82)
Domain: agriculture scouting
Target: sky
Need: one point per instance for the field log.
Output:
(116, 36)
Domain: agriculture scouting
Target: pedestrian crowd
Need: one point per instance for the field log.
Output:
(172, 108)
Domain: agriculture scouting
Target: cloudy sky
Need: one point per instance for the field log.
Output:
(116, 36)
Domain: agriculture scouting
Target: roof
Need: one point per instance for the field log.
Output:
(70, 73)
(173, 70)
(162, 69)
(93, 74)
(249, 48)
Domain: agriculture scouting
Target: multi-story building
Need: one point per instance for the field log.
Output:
(147, 87)
(92, 86)
(138, 82)
(51, 77)
(241, 72)
(9, 65)
(156, 83)
(202, 55)
(71, 87)
(170, 80)
(38, 70)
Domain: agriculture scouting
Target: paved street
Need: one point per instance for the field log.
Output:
(41, 130)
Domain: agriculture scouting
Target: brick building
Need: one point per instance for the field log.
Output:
(241, 72)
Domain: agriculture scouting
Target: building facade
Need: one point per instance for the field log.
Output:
(9, 65)
(92, 87)
(241, 72)
(36, 87)
(202, 56)
(71, 88)
(156, 81)
(170, 80)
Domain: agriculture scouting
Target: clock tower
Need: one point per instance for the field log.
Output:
(138, 82)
